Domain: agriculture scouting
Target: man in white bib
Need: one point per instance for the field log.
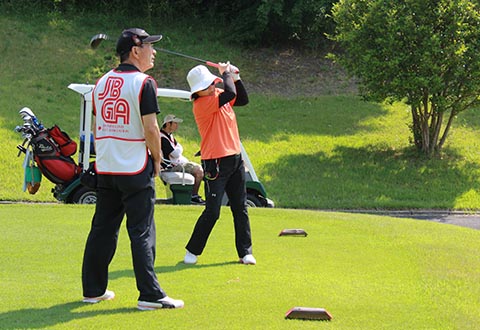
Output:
(128, 158)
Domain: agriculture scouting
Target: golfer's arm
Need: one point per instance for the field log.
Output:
(229, 91)
(242, 95)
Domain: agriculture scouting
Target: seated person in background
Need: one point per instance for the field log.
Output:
(174, 161)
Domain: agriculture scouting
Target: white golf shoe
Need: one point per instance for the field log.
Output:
(249, 259)
(108, 295)
(165, 302)
(190, 258)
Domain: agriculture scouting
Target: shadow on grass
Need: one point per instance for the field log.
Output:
(371, 177)
(170, 269)
(40, 318)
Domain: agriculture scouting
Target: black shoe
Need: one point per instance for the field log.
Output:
(196, 199)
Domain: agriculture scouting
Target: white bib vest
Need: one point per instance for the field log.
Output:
(176, 156)
(120, 138)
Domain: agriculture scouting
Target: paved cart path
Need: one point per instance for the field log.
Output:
(457, 218)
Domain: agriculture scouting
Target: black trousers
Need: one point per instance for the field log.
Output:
(223, 175)
(117, 196)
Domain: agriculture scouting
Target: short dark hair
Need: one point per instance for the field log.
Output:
(133, 37)
(124, 57)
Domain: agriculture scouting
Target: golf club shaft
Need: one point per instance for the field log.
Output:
(187, 56)
(212, 64)
(98, 38)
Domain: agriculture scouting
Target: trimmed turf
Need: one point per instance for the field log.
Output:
(369, 272)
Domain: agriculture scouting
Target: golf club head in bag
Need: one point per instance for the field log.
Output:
(26, 112)
(52, 149)
(29, 118)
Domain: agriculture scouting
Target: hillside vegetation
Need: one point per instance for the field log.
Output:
(314, 144)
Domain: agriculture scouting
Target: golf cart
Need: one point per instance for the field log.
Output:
(179, 185)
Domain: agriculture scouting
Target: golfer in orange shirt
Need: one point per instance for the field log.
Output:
(221, 157)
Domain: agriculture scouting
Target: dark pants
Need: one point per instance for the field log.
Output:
(133, 196)
(227, 175)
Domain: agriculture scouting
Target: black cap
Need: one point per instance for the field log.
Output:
(134, 37)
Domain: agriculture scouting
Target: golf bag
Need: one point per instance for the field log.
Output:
(52, 149)
(54, 162)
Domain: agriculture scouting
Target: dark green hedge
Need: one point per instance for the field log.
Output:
(249, 22)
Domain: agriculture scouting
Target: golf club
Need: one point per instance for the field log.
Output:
(215, 65)
(98, 38)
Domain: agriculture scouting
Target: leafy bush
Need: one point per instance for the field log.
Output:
(424, 52)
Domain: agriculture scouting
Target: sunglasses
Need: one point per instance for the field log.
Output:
(212, 84)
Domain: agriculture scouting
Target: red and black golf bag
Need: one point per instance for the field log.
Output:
(52, 151)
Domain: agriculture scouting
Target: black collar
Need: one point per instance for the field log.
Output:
(126, 67)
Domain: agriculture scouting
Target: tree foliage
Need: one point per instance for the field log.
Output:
(426, 53)
(272, 22)
(247, 22)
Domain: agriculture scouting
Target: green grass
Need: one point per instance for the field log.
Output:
(316, 152)
(369, 272)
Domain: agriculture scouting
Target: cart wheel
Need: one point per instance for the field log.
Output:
(84, 195)
(253, 200)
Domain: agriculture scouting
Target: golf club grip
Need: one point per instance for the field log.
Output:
(215, 65)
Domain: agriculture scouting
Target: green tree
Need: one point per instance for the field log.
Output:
(426, 53)
(269, 22)
(251, 23)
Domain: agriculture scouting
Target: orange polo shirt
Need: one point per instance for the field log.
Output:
(217, 127)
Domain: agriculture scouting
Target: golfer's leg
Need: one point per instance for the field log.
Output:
(139, 206)
(214, 190)
(237, 196)
(101, 243)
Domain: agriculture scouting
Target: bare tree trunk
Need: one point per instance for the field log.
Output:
(435, 128)
(447, 130)
(427, 126)
(425, 117)
(416, 127)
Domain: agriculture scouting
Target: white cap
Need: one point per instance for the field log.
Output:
(199, 78)
(171, 118)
